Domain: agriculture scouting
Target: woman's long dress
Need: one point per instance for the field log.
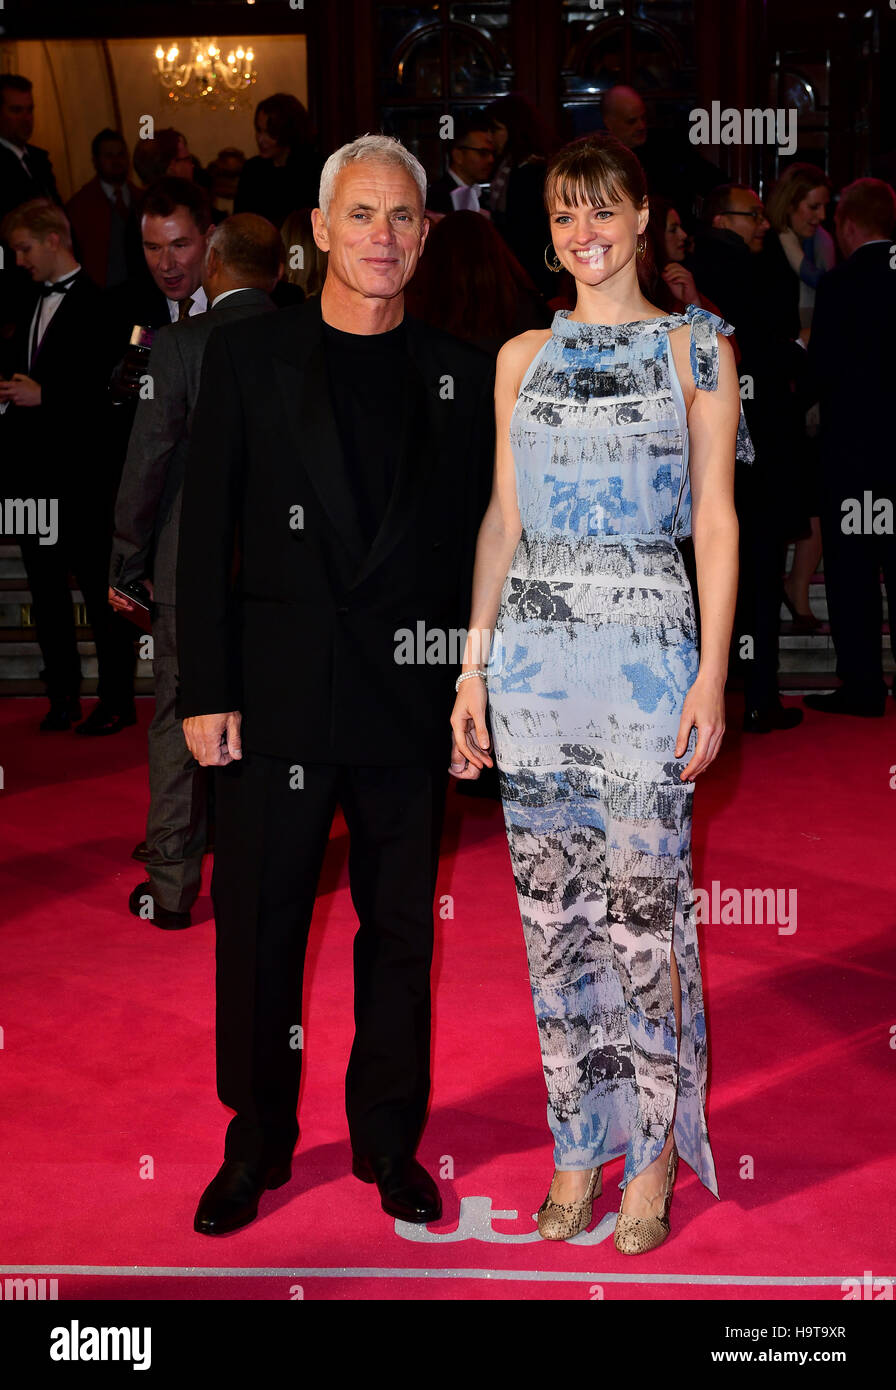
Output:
(594, 651)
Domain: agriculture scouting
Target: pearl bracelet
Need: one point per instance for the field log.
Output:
(481, 671)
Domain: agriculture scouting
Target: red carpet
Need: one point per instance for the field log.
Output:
(112, 1126)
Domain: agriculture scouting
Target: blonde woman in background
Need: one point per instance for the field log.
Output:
(308, 270)
(798, 252)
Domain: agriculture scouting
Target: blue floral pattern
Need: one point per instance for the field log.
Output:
(595, 652)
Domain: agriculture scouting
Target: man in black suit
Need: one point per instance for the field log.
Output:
(242, 266)
(175, 226)
(348, 449)
(853, 355)
(25, 170)
(728, 269)
(57, 402)
(25, 173)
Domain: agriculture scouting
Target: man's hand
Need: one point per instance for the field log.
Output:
(21, 390)
(214, 739)
(126, 605)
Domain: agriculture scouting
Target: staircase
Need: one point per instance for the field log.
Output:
(20, 658)
(807, 662)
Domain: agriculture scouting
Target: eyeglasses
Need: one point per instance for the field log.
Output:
(758, 214)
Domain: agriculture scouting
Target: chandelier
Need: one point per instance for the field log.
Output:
(207, 75)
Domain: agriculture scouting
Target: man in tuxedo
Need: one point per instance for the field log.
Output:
(728, 269)
(54, 403)
(242, 266)
(852, 352)
(103, 213)
(348, 449)
(471, 161)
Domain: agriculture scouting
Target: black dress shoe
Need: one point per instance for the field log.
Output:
(844, 701)
(102, 721)
(231, 1199)
(406, 1189)
(63, 714)
(763, 721)
(158, 915)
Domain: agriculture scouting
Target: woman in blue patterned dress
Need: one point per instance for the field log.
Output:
(617, 432)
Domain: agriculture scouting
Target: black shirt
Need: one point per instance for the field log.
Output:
(368, 376)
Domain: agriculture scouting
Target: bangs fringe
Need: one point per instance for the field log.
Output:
(582, 187)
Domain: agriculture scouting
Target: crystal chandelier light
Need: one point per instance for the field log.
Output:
(207, 75)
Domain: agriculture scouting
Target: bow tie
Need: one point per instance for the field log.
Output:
(60, 287)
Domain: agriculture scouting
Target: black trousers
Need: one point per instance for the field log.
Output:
(757, 621)
(852, 575)
(84, 553)
(272, 825)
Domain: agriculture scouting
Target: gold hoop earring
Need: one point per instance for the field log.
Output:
(555, 268)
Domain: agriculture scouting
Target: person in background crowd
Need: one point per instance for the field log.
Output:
(770, 507)
(671, 163)
(797, 252)
(853, 353)
(516, 199)
(103, 213)
(225, 172)
(471, 158)
(175, 223)
(55, 445)
(625, 116)
(285, 173)
(242, 264)
(168, 156)
(673, 284)
(25, 170)
(492, 301)
(25, 173)
(306, 263)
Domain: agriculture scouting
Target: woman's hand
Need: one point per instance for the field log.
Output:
(469, 734)
(681, 283)
(704, 707)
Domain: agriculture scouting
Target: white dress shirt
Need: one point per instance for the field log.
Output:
(199, 305)
(218, 297)
(466, 196)
(18, 150)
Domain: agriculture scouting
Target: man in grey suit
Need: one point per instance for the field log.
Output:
(242, 265)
